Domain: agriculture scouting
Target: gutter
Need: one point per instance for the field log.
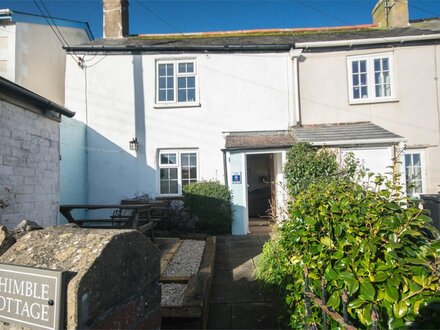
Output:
(355, 142)
(7, 86)
(217, 48)
(371, 41)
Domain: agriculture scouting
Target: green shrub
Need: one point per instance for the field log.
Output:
(306, 165)
(209, 202)
(372, 242)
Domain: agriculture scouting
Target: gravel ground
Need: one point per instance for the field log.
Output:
(172, 294)
(186, 260)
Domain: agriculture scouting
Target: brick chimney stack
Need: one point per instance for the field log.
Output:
(115, 18)
(391, 13)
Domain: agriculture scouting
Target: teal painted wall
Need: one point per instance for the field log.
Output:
(73, 173)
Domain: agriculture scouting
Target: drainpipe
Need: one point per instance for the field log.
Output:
(295, 54)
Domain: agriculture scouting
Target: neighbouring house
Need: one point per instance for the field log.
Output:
(227, 106)
(30, 51)
(29, 156)
(32, 55)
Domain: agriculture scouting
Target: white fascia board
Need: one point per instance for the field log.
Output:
(365, 141)
(354, 42)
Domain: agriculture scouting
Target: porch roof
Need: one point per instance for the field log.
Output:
(345, 134)
(259, 140)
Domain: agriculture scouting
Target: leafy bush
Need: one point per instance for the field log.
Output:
(370, 241)
(210, 203)
(306, 165)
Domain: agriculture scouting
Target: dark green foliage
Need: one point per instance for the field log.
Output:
(369, 240)
(306, 165)
(210, 203)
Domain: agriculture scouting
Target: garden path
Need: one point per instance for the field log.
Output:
(238, 300)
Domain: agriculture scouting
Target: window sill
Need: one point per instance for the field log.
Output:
(177, 105)
(373, 101)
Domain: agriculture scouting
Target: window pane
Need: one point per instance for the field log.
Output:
(185, 159)
(191, 95)
(364, 92)
(416, 158)
(163, 173)
(173, 173)
(190, 67)
(408, 160)
(164, 187)
(162, 95)
(377, 65)
(161, 69)
(378, 91)
(185, 173)
(170, 95)
(182, 95)
(378, 78)
(355, 80)
(182, 68)
(355, 66)
(193, 159)
(193, 173)
(173, 187)
(170, 69)
(363, 66)
(181, 82)
(364, 79)
(385, 64)
(191, 82)
(356, 94)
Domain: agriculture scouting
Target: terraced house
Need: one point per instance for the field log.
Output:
(227, 106)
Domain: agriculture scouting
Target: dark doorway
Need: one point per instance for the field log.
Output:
(260, 177)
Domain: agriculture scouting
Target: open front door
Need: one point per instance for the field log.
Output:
(260, 178)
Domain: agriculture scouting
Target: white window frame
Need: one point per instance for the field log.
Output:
(372, 98)
(178, 165)
(176, 75)
(421, 152)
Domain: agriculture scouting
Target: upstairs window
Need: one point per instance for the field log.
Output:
(176, 82)
(371, 78)
(177, 168)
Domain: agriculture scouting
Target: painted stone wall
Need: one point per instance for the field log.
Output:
(29, 166)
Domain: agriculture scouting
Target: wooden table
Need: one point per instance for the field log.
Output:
(132, 220)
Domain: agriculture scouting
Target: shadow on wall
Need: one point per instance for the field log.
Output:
(95, 170)
(104, 173)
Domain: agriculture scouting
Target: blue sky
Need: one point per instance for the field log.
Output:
(166, 16)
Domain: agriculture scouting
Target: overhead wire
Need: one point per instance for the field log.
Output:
(158, 17)
(59, 37)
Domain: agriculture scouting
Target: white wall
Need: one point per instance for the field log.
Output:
(238, 92)
(415, 114)
(7, 51)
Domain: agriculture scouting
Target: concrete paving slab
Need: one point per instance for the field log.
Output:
(220, 317)
(254, 316)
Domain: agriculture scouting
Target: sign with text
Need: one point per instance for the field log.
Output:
(31, 297)
(236, 177)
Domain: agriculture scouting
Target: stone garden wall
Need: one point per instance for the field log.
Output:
(113, 277)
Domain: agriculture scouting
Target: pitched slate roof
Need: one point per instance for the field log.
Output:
(259, 140)
(346, 133)
(274, 39)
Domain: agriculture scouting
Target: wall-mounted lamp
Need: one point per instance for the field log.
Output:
(134, 145)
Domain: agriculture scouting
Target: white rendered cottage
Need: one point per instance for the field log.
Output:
(227, 106)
